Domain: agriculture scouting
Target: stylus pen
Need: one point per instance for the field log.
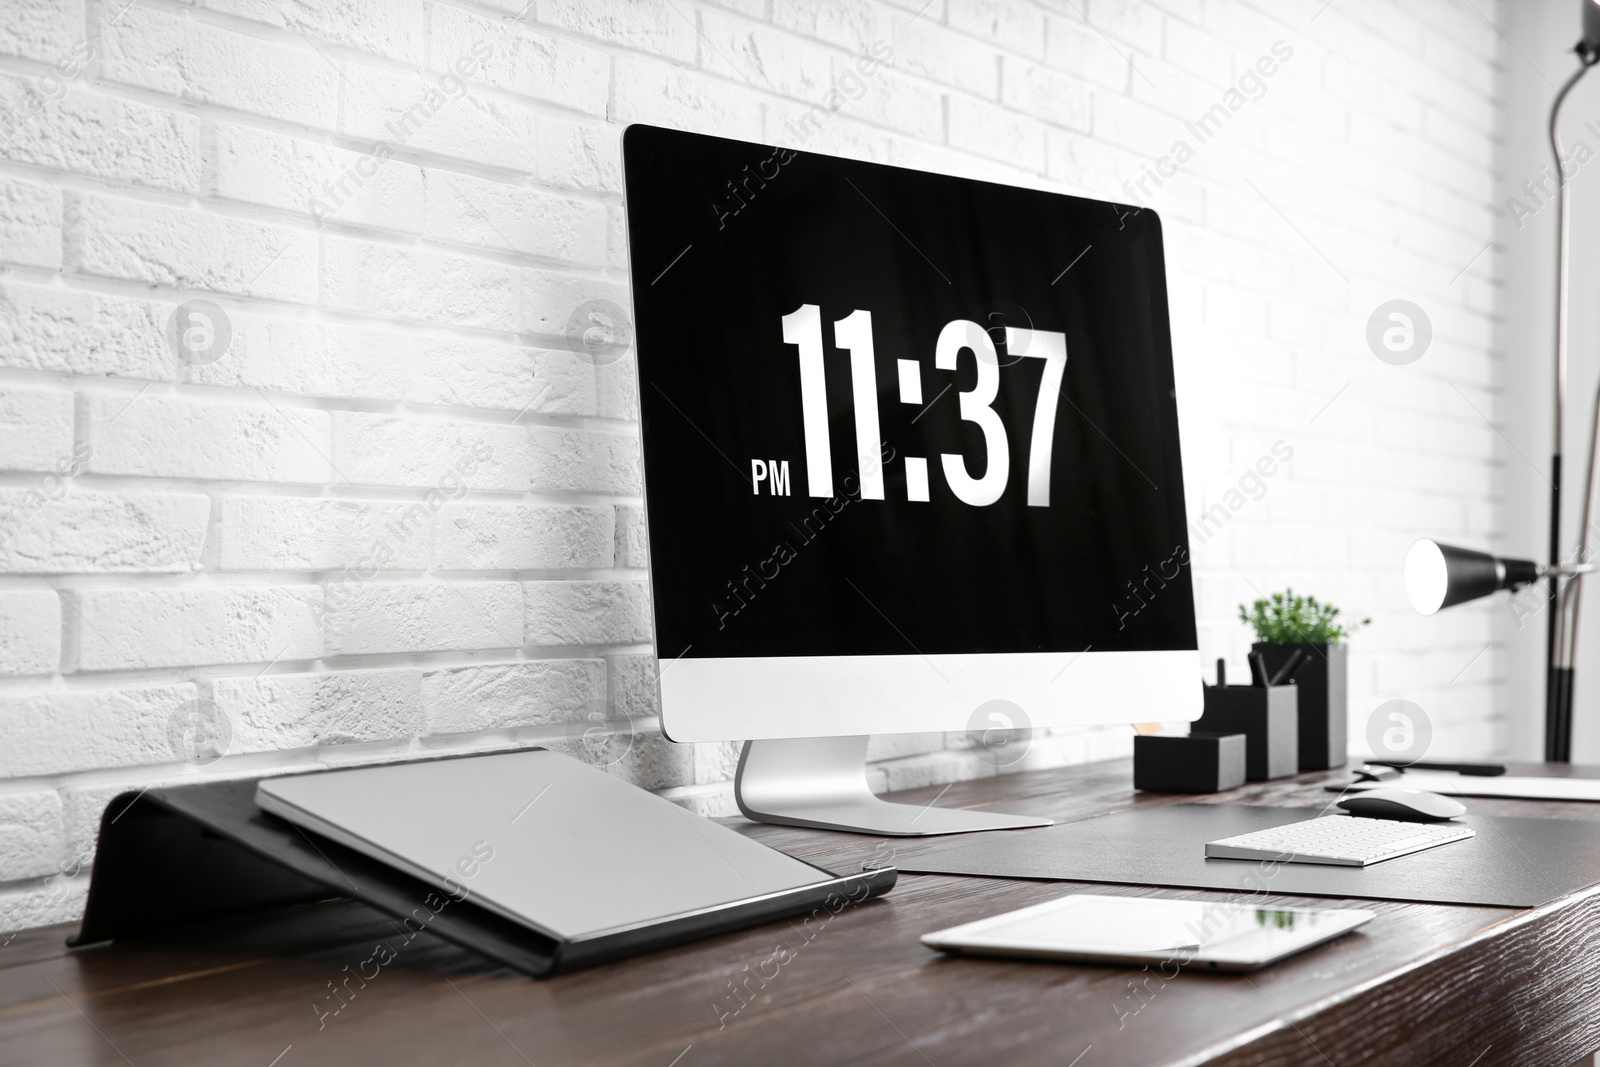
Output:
(1480, 770)
(1286, 671)
(1258, 668)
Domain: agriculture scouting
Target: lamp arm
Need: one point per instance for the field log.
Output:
(1563, 252)
(1572, 594)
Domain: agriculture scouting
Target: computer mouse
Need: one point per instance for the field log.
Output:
(1400, 802)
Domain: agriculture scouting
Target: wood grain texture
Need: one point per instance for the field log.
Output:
(1421, 984)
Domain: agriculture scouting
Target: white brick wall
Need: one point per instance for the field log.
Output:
(399, 514)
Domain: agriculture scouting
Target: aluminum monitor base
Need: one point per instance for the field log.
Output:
(821, 782)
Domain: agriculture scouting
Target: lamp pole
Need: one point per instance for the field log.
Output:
(1558, 676)
(1565, 593)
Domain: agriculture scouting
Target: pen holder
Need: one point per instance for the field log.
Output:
(1269, 718)
(1198, 763)
(1323, 710)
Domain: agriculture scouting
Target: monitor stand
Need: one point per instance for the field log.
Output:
(821, 782)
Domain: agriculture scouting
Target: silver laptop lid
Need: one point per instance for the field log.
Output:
(537, 837)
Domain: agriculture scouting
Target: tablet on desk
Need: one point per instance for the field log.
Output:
(1214, 935)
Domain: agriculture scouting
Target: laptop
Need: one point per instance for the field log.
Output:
(538, 838)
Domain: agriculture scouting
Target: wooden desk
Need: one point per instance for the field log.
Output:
(1421, 984)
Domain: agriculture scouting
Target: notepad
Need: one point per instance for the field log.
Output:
(1469, 785)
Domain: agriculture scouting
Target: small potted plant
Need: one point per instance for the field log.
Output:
(1299, 628)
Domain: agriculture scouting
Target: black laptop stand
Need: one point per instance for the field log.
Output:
(174, 857)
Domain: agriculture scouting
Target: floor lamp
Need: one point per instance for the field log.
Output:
(1438, 576)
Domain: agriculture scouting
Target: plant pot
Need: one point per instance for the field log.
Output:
(1323, 701)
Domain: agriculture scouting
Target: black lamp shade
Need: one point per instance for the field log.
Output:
(1591, 27)
(1441, 576)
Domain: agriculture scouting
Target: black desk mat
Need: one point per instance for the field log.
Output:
(1513, 862)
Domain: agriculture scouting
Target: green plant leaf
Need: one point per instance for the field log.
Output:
(1287, 619)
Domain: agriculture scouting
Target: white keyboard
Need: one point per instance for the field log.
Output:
(1342, 840)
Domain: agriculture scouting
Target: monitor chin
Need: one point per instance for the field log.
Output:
(821, 696)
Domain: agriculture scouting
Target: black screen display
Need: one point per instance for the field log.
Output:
(1021, 489)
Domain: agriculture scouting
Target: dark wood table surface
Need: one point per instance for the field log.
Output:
(1422, 984)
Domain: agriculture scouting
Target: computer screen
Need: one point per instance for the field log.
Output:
(888, 413)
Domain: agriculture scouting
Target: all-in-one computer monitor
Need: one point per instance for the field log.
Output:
(910, 463)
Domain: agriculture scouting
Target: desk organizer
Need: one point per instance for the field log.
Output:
(1324, 713)
(1268, 716)
(1197, 763)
